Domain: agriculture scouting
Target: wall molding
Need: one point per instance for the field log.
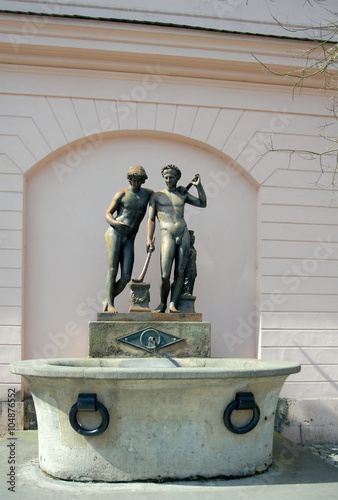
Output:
(131, 48)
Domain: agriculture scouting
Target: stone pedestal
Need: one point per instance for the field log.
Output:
(186, 303)
(149, 335)
(139, 297)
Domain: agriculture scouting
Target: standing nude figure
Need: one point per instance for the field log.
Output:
(168, 206)
(130, 205)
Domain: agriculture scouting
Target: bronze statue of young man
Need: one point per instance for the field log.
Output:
(168, 206)
(130, 205)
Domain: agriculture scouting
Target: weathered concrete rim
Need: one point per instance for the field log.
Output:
(153, 368)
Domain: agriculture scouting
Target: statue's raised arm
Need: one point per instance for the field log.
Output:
(201, 201)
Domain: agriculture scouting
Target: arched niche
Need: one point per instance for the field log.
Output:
(65, 267)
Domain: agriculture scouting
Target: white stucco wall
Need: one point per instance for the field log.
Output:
(201, 98)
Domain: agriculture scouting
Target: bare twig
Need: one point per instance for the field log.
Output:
(320, 60)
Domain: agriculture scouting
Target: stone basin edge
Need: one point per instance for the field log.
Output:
(62, 368)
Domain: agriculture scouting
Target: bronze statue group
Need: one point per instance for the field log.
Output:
(124, 216)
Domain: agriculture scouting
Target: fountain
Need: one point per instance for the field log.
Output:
(168, 412)
(207, 417)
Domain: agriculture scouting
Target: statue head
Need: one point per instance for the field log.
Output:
(173, 169)
(137, 171)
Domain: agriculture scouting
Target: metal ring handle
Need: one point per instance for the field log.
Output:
(155, 340)
(88, 402)
(243, 401)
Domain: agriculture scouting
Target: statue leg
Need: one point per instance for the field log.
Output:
(164, 292)
(113, 247)
(168, 249)
(181, 262)
(127, 263)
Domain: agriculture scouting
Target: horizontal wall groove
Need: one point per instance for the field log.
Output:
(294, 329)
(5, 210)
(295, 241)
(327, 380)
(320, 207)
(306, 276)
(300, 294)
(6, 287)
(302, 310)
(298, 223)
(7, 267)
(296, 349)
(12, 191)
(296, 259)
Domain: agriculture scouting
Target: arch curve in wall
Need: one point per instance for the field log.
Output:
(82, 147)
(67, 193)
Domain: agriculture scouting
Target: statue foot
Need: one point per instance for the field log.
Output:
(160, 309)
(111, 309)
(172, 308)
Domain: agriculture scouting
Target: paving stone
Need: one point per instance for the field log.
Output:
(325, 451)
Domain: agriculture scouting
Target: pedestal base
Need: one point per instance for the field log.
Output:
(139, 297)
(186, 303)
(107, 338)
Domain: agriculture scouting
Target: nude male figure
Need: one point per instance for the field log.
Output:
(168, 206)
(130, 205)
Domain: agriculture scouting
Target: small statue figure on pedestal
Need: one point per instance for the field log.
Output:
(190, 272)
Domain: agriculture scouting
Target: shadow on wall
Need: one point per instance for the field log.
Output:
(307, 420)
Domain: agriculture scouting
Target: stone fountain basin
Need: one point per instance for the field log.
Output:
(165, 422)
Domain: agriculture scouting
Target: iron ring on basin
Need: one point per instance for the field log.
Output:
(88, 403)
(243, 401)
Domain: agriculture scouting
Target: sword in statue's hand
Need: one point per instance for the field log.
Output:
(146, 264)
